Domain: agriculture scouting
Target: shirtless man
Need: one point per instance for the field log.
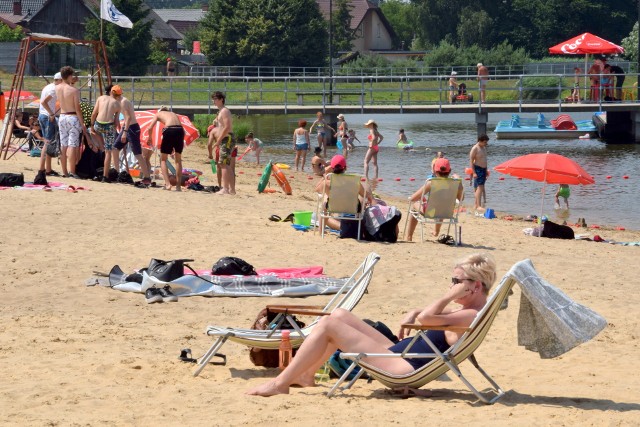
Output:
(71, 124)
(478, 164)
(221, 138)
(130, 133)
(172, 141)
(483, 77)
(103, 126)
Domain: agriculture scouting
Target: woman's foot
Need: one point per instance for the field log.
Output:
(268, 389)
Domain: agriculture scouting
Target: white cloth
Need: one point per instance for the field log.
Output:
(108, 12)
(48, 90)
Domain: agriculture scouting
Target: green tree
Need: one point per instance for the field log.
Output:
(401, 15)
(128, 50)
(9, 35)
(159, 52)
(341, 23)
(630, 44)
(264, 32)
(475, 27)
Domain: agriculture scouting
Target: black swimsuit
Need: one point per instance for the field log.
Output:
(421, 346)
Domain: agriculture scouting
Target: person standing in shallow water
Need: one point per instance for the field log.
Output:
(375, 138)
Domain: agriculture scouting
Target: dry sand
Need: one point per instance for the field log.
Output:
(77, 355)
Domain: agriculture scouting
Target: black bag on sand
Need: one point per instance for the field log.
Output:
(11, 180)
(230, 266)
(125, 178)
(90, 164)
(167, 271)
(557, 231)
(388, 232)
(41, 178)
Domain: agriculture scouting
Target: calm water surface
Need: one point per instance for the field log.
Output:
(611, 201)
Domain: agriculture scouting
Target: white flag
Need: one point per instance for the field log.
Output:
(108, 12)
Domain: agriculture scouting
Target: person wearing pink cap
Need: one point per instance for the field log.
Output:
(442, 169)
(338, 165)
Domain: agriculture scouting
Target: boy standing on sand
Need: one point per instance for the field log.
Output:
(130, 133)
(172, 141)
(71, 125)
(103, 126)
(222, 134)
(479, 166)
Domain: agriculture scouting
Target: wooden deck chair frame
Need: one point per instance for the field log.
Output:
(442, 361)
(440, 206)
(343, 203)
(347, 298)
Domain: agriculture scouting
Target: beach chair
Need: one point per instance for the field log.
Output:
(343, 203)
(440, 207)
(346, 298)
(442, 362)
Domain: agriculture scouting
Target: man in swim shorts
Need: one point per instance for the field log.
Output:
(71, 126)
(478, 166)
(224, 141)
(130, 133)
(172, 142)
(483, 77)
(103, 126)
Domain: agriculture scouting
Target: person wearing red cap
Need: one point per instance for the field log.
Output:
(171, 67)
(338, 165)
(442, 169)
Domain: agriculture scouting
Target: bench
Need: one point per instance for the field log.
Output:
(325, 96)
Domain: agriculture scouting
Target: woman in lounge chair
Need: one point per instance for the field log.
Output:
(472, 278)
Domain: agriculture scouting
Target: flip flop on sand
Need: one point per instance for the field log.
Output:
(276, 218)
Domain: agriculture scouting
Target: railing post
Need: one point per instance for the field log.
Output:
(189, 86)
(209, 97)
(286, 89)
(560, 92)
(520, 93)
(171, 94)
(362, 95)
(440, 93)
(247, 96)
(401, 93)
(153, 91)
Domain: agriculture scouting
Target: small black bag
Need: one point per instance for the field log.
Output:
(167, 271)
(11, 180)
(41, 178)
(53, 148)
(229, 266)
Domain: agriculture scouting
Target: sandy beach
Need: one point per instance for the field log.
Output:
(77, 355)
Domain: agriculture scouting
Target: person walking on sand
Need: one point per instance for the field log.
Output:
(479, 166)
(71, 125)
(483, 77)
(301, 144)
(375, 138)
(172, 141)
(103, 126)
(130, 134)
(322, 127)
(222, 134)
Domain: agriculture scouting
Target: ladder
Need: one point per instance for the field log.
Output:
(6, 133)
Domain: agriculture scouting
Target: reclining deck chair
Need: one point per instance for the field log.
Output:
(440, 207)
(450, 359)
(343, 202)
(347, 298)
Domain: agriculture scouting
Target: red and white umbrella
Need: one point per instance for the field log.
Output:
(144, 119)
(586, 44)
(23, 95)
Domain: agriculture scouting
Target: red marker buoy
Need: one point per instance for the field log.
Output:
(412, 179)
(397, 179)
(608, 176)
(259, 174)
(291, 176)
(309, 177)
(467, 179)
(594, 226)
(380, 179)
(620, 228)
(240, 172)
(468, 171)
(362, 179)
(519, 179)
(625, 177)
(501, 178)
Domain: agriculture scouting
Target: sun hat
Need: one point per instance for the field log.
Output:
(370, 122)
(341, 116)
(57, 76)
(453, 73)
(338, 161)
(116, 90)
(442, 165)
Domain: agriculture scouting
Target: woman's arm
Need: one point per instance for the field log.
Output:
(435, 313)
(422, 190)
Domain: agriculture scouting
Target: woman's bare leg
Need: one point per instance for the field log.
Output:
(374, 157)
(367, 159)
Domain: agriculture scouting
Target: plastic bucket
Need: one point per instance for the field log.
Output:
(302, 217)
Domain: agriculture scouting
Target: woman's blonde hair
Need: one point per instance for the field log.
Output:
(479, 266)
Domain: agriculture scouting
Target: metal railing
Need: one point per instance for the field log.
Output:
(351, 90)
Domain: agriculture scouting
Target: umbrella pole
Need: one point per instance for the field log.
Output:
(586, 89)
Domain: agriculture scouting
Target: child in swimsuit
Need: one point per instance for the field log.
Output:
(375, 138)
(352, 136)
(563, 191)
(321, 128)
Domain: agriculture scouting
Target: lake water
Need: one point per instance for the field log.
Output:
(611, 201)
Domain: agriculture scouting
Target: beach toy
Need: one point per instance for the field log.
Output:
(412, 179)
(468, 171)
(397, 179)
(269, 190)
(134, 172)
(264, 179)
(282, 165)
(620, 228)
(282, 180)
(489, 213)
(302, 217)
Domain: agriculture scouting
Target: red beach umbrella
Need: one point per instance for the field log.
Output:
(548, 168)
(23, 95)
(144, 119)
(586, 44)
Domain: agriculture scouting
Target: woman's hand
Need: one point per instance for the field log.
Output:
(408, 318)
(458, 290)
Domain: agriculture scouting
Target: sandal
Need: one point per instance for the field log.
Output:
(185, 356)
(289, 218)
(275, 218)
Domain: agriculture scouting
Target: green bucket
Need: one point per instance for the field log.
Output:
(302, 217)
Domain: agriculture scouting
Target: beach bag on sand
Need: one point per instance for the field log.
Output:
(11, 180)
(231, 266)
(166, 271)
(261, 356)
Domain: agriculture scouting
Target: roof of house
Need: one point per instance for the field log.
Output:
(359, 9)
(10, 20)
(189, 15)
(27, 6)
